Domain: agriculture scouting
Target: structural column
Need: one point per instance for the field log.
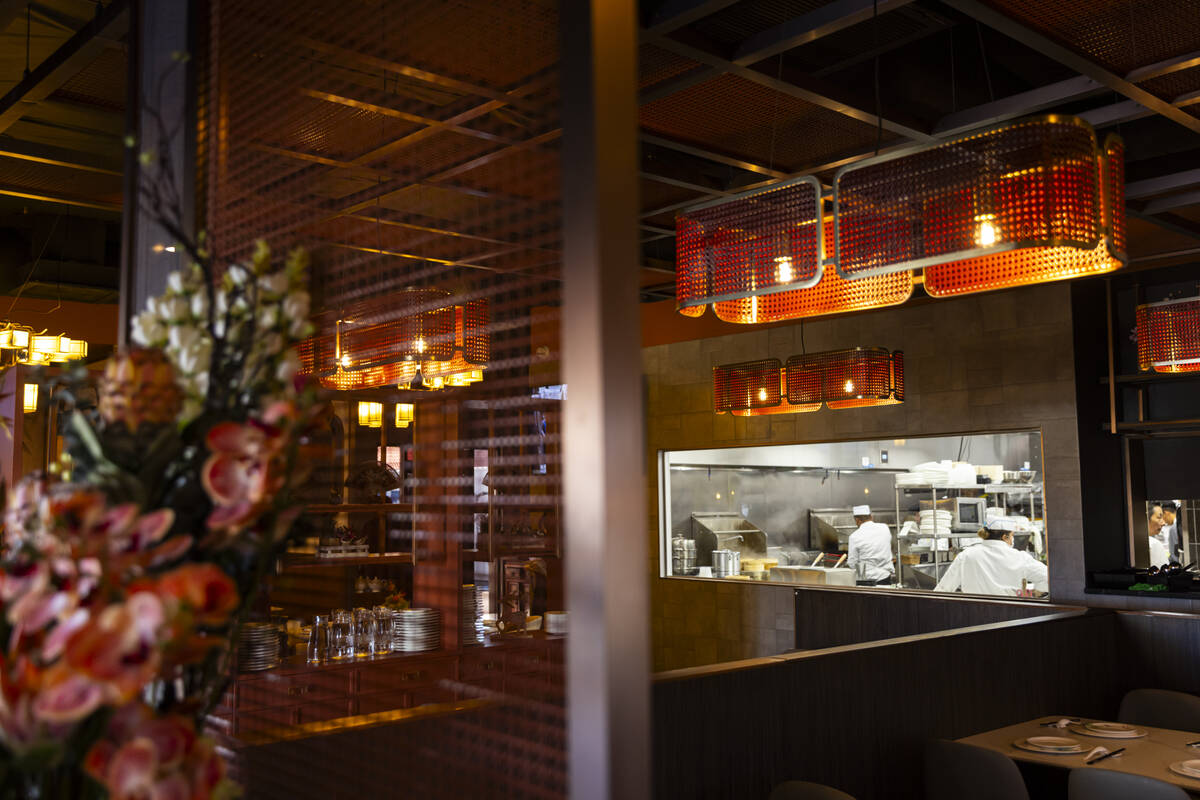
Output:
(608, 662)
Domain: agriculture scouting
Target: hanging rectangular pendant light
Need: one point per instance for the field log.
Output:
(750, 245)
(415, 331)
(851, 378)
(1030, 202)
(1168, 335)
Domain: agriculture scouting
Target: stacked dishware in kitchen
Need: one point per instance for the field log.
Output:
(556, 622)
(683, 556)
(726, 563)
(473, 604)
(258, 647)
(416, 629)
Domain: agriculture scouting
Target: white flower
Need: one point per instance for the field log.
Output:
(200, 305)
(176, 283)
(296, 306)
(268, 316)
(183, 337)
(238, 275)
(194, 359)
(288, 366)
(172, 309)
(147, 330)
(239, 307)
(275, 283)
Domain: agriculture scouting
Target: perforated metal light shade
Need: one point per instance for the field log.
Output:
(1168, 335)
(864, 376)
(852, 378)
(752, 245)
(1031, 202)
(384, 344)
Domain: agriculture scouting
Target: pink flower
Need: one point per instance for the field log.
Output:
(203, 589)
(243, 471)
(119, 649)
(68, 701)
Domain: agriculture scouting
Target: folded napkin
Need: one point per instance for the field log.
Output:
(1062, 723)
(1096, 752)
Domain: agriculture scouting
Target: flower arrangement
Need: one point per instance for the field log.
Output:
(123, 582)
(396, 601)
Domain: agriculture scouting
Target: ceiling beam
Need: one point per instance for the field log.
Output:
(674, 14)
(57, 156)
(9, 191)
(1069, 58)
(709, 155)
(1168, 222)
(64, 63)
(1016, 105)
(1170, 65)
(1162, 184)
(1172, 202)
(828, 19)
(816, 96)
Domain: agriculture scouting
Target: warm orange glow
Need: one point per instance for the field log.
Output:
(1018, 268)
(1168, 335)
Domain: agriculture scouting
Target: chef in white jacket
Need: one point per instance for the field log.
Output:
(870, 552)
(994, 566)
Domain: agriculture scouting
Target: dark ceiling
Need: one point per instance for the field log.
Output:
(739, 93)
(62, 126)
(733, 94)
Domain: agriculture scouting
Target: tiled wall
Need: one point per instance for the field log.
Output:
(996, 361)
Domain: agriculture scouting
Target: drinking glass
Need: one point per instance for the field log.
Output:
(318, 640)
(383, 629)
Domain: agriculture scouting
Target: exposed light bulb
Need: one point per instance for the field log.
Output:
(986, 235)
(718, 495)
(849, 387)
(419, 344)
(783, 272)
(762, 395)
(754, 309)
(345, 361)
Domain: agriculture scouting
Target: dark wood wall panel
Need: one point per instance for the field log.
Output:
(836, 618)
(858, 719)
(1159, 651)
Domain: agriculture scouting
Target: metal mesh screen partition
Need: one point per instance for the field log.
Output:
(413, 148)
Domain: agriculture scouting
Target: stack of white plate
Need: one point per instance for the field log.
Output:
(556, 622)
(258, 647)
(416, 629)
(472, 604)
(935, 521)
(1109, 730)
(1058, 745)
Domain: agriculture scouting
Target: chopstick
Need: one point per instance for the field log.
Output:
(1193, 744)
(1106, 755)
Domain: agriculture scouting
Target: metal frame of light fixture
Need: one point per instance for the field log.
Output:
(28, 346)
(1079, 179)
(839, 379)
(1168, 335)
(975, 151)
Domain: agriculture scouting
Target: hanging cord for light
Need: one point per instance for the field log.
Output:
(987, 72)
(33, 267)
(878, 102)
(28, 14)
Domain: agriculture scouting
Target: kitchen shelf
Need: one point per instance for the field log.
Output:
(345, 508)
(356, 561)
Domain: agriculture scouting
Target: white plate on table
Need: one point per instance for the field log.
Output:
(1051, 745)
(1108, 730)
(1188, 769)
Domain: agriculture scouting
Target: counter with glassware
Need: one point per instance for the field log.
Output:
(279, 702)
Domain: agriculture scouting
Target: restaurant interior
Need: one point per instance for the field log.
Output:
(917, 492)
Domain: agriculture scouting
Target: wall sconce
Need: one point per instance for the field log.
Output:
(30, 398)
(404, 414)
(370, 415)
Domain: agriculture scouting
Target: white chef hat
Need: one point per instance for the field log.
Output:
(861, 511)
(1001, 524)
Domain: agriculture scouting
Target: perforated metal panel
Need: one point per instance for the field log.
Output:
(967, 209)
(844, 378)
(747, 386)
(752, 245)
(1168, 335)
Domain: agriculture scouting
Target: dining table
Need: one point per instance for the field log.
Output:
(1151, 755)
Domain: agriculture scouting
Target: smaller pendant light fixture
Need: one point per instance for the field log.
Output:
(20, 344)
(30, 398)
(1168, 335)
(853, 378)
(370, 415)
